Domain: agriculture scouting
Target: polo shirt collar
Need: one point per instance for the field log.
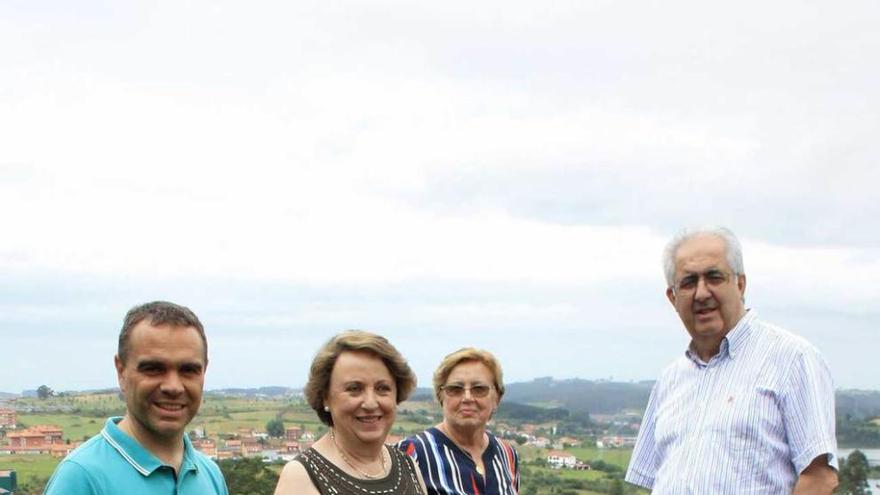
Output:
(141, 459)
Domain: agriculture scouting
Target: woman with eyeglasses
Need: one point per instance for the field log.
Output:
(459, 456)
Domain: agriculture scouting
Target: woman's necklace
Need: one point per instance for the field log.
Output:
(345, 458)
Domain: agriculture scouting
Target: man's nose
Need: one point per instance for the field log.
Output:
(172, 384)
(702, 291)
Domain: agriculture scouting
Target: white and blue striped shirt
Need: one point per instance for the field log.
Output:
(747, 422)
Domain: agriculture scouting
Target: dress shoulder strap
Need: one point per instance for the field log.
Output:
(311, 461)
(408, 469)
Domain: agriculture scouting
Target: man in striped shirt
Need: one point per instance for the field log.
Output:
(749, 408)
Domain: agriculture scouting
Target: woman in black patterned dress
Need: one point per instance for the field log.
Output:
(355, 383)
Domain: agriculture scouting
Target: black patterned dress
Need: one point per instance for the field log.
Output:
(330, 480)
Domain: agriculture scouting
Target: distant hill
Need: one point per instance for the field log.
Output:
(574, 395)
(271, 391)
(861, 404)
(422, 394)
(607, 397)
(532, 414)
(577, 395)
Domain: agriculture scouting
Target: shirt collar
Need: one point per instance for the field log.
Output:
(740, 333)
(731, 343)
(141, 459)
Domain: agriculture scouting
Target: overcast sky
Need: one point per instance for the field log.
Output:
(498, 174)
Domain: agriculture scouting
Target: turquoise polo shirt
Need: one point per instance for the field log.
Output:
(112, 462)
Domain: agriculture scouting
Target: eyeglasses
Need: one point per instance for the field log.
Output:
(457, 390)
(712, 278)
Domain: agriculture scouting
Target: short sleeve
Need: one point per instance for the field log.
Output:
(219, 479)
(407, 446)
(70, 479)
(808, 410)
(643, 464)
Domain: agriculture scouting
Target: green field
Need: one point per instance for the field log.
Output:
(546, 481)
(75, 427)
(29, 468)
(226, 415)
(619, 457)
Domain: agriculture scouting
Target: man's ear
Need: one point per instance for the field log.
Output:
(670, 294)
(119, 369)
(741, 285)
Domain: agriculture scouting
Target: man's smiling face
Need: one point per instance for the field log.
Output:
(162, 381)
(706, 293)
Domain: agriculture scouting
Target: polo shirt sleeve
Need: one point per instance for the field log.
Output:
(219, 479)
(70, 479)
(643, 464)
(808, 410)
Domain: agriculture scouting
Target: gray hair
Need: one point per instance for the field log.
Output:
(732, 248)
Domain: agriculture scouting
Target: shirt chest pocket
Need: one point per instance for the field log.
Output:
(748, 423)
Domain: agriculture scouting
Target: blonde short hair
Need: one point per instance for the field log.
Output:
(463, 355)
(355, 340)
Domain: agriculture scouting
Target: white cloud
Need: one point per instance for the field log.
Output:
(548, 148)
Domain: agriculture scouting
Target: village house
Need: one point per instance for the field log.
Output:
(558, 459)
(563, 442)
(540, 442)
(8, 418)
(528, 428)
(251, 448)
(206, 446)
(293, 433)
(615, 442)
(224, 453)
(35, 438)
(270, 455)
(60, 450)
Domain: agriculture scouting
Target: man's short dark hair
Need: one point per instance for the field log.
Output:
(159, 313)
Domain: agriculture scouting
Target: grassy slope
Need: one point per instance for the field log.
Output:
(27, 467)
(227, 415)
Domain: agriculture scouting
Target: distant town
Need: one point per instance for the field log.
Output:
(584, 428)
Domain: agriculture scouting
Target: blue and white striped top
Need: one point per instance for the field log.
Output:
(447, 470)
(747, 422)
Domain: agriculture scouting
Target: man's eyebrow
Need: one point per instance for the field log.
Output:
(713, 269)
(156, 363)
(150, 363)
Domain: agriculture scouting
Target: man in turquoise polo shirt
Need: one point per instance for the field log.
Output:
(160, 365)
